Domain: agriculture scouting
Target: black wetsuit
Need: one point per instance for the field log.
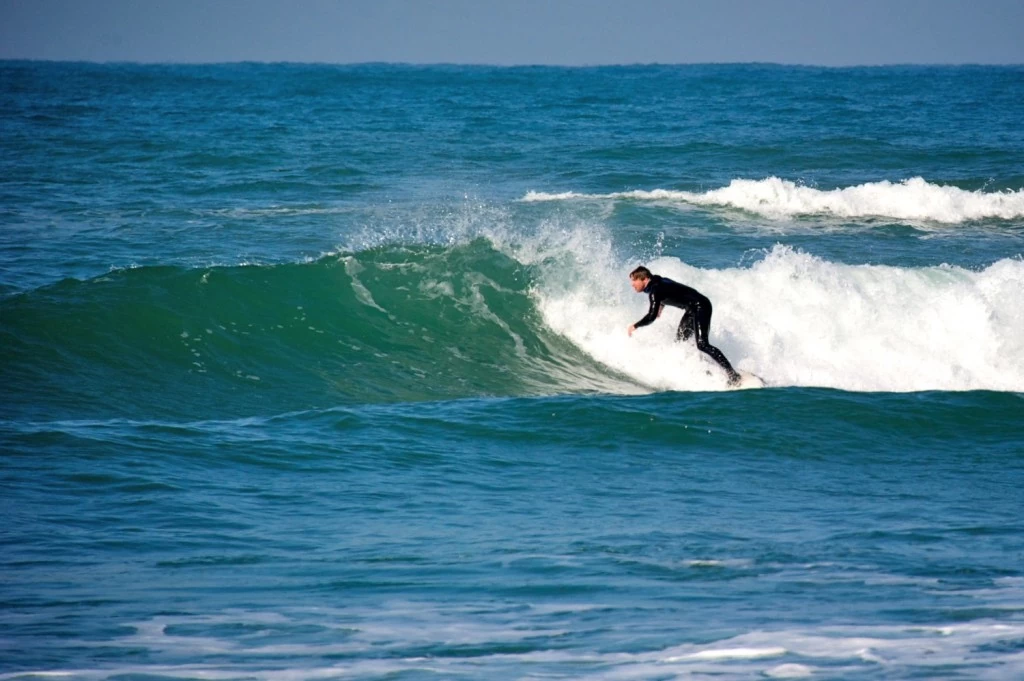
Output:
(695, 321)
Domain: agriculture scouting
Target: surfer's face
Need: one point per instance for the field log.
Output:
(638, 284)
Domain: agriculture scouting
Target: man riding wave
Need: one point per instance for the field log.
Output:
(696, 313)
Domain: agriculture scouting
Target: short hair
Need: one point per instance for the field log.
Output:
(640, 273)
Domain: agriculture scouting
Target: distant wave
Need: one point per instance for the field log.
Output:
(914, 199)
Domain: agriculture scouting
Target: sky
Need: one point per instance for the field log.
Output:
(507, 32)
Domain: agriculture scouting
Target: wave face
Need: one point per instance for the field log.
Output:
(385, 325)
(915, 200)
(486, 317)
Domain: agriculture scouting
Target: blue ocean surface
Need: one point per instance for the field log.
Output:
(322, 372)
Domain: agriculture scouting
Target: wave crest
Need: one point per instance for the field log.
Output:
(914, 199)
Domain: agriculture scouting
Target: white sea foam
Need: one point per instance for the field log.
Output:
(799, 320)
(913, 199)
(729, 654)
(789, 671)
(389, 640)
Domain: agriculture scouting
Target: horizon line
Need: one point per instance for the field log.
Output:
(496, 65)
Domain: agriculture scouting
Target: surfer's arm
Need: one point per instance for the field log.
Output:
(653, 313)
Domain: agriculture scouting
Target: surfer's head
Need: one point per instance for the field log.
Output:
(639, 278)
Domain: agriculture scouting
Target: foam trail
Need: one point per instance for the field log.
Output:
(799, 320)
(914, 199)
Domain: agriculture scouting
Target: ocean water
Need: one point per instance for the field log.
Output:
(321, 372)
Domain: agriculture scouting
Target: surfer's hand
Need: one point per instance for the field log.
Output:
(630, 329)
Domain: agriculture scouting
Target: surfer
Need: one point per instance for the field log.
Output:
(696, 313)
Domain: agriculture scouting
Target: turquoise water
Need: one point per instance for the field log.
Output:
(316, 372)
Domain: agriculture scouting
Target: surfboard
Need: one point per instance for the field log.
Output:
(748, 381)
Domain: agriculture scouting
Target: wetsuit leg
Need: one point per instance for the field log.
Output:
(685, 329)
(702, 319)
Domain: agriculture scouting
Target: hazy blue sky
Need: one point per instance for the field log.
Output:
(517, 31)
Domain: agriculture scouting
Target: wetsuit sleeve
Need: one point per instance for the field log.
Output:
(652, 313)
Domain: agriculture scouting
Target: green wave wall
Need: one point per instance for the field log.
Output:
(392, 324)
